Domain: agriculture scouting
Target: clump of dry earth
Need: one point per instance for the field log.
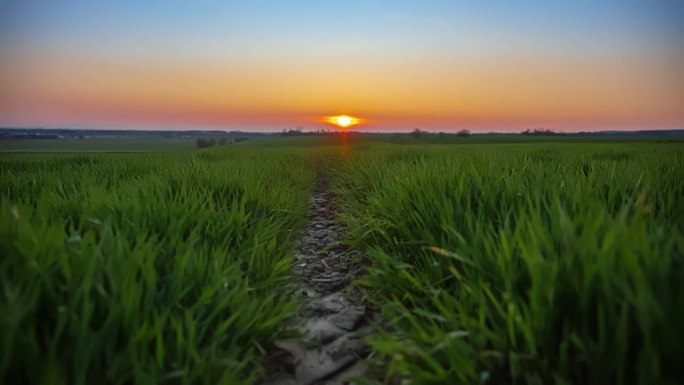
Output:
(334, 317)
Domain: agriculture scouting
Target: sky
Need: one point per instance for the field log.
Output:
(482, 65)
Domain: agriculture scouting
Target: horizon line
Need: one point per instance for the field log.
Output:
(333, 130)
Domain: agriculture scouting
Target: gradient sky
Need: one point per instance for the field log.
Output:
(269, 65)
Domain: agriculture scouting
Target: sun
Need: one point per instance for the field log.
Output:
(343, 121)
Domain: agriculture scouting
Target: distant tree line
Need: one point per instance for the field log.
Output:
(540, 132)
(418, 133)
(30, 135)
(300, 132)
(204, 143)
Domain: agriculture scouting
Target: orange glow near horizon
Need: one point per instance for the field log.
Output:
(558, 94)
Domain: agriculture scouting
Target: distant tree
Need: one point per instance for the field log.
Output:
(463, 133)
(241, 139)
(203, 143)
(222, 141)
(296, 132)
(417, 133)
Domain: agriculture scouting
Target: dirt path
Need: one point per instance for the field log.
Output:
(333, 319)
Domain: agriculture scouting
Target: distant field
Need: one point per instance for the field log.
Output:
(491, 258)
(95, 145)
(153, 144)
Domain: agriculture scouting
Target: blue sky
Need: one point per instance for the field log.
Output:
(570, 26)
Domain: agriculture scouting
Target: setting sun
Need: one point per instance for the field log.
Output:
(343, 121)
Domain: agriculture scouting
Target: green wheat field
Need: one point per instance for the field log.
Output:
(496, 263)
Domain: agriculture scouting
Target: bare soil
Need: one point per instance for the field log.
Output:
(333, 317)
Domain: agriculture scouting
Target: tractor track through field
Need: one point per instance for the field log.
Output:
(333, 316)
